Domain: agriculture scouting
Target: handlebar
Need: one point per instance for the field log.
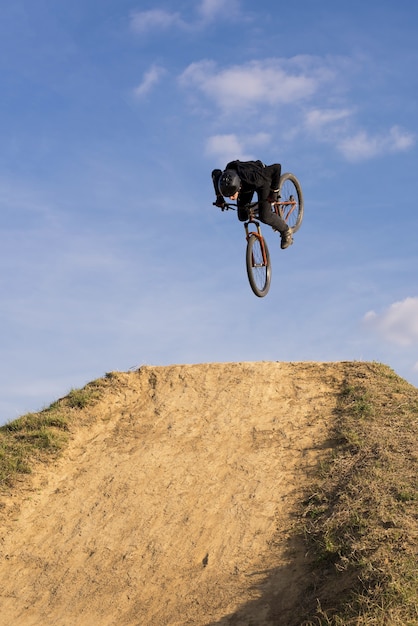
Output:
(232, 206)
(226, 207)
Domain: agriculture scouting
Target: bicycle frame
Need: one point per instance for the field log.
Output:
(279, 208)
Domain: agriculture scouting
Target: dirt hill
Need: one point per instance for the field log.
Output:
(175, 499)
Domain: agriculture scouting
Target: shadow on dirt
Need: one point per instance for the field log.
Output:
(285, 594)
(291, 595)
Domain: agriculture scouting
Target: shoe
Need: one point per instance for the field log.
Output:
(286, 239)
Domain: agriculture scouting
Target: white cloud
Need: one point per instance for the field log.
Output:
(151, 78)
(229, 147)
(363, 146)
(155, 19)
(336, 126)
(399, 323)
(209, 9)
(317, 119)
(270, 82)
(226, 148)
(159, 19)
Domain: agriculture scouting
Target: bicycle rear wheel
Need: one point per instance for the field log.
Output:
(258, 265)
(290, 203)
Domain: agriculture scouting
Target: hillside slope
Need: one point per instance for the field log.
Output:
(174, 501)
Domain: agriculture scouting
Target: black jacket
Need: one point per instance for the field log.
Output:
(256, 175)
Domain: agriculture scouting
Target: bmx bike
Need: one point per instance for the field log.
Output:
(289, 207)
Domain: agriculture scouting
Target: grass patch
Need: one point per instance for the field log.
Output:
(361, 521)
(36, 437)
(33, 437)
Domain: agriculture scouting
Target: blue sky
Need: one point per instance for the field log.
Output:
(113, 114)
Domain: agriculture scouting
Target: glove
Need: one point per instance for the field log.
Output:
(273, 196)
(220, 202)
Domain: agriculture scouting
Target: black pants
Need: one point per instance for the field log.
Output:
(265, 213)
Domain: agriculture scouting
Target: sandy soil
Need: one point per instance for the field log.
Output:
(173, 503)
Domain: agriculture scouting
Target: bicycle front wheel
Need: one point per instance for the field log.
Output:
(258, 265)
(290, 203)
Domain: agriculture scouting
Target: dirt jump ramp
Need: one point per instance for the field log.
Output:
(173, 502)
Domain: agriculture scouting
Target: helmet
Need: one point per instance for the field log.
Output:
(229, 183)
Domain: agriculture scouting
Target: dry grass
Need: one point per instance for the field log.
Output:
(361, 520)
(39, 437)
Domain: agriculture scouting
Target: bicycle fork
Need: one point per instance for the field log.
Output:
(256, 233)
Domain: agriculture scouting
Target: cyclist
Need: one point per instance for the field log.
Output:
(240, 180)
